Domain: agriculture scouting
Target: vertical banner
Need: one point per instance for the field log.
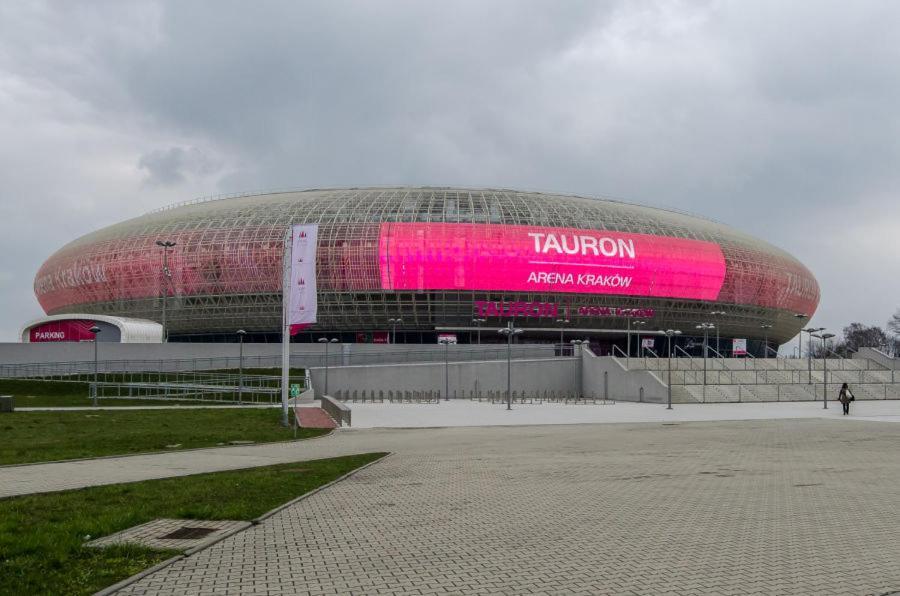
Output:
(298, 289)
(302, 302)
(739, 347)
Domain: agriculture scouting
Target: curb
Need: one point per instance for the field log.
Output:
(169, 452)
(253, 522)
(138, 576)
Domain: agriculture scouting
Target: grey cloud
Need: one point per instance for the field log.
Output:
(778, 118)
(168, 167)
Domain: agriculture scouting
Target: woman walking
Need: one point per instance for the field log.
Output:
(845, 397)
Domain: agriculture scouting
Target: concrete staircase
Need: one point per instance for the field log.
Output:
(733, 380)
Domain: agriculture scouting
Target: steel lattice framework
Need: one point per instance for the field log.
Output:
(226, 265)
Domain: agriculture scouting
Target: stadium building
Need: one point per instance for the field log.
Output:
(451, 261)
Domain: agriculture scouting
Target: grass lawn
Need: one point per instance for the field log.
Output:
(43, 436)
(41, 536)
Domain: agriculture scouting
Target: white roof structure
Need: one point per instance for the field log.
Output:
(132, 331)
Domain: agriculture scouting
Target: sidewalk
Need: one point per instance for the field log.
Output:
(466, 424)
(469, 413)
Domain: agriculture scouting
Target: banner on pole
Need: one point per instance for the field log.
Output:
(302, 301)
(739, 347)
(647, 342)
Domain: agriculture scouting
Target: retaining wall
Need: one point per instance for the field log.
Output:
(621, 384)
(530, 376)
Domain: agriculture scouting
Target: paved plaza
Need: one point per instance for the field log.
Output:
(747, 507)
(777, 506)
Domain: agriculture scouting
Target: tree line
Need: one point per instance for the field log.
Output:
(857, 335)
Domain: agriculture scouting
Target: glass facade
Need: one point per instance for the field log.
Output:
(224, 271)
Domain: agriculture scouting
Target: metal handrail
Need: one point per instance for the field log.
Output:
(691, 363)
(462, 353)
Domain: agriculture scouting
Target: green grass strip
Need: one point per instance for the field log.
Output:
(42, 536)
(29, 437)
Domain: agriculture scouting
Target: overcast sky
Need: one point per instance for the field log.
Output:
(779, 118)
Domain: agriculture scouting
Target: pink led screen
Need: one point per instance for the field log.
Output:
(446, 256)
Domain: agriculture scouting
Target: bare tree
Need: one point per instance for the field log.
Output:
(894, 323)
(857, 335)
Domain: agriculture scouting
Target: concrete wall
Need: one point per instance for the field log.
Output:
(301, 354)
(623, 385)
(560, 375)
(879, 357)
(531, 376)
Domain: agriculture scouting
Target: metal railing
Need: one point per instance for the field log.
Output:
(337, 357)
(778, 392)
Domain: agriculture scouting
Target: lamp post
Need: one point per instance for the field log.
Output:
(718, 313)
(95, 330)
(167, 277)
(800, 316)
(394, 323)
(706, 327)
(241, 333)
(509, 331)
(669, 333)
(638, 324)
(562, 323)
(810, 331)
(446, 342)
(478, 323)
(627, 343)
(824, 337)
(326, 341)
(576, 353)
(765, 327)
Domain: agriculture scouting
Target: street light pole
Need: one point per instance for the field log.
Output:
(241, 333)
(824, 337)
(809, 331)
(562, 324)
(509, 331)
(577, 354)
(394, 323)
(326, 341)
(446, 343)
(800, 317)
(95, 330)
(706, 327)
(669, 333)
(639, 324)
(167, 277)
(765, 327)
(718, 313)
(478, 322)
(628, 343)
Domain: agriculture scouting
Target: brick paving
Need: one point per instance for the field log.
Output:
(310, 417)
(745, 507)
(153, 533)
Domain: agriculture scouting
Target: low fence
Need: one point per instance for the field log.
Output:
(339, 355)
(451, 378)
(255, 389)
(435, 397)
